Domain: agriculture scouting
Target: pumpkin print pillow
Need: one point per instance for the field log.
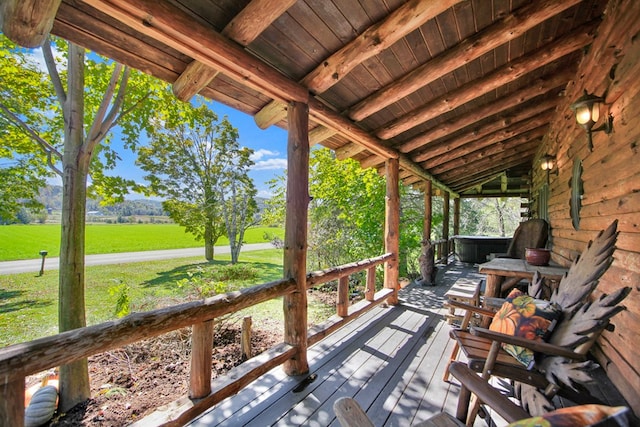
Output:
(583, 415)
(526, 317)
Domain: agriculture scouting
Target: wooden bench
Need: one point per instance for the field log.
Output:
(466, 291)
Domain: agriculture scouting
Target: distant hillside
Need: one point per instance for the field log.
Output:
(51, 198)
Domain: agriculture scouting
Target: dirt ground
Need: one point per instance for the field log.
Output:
(130, 383)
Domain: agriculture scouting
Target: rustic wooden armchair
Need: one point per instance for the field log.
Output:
(561, 366)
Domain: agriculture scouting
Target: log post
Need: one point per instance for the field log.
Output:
(445, 227)
(12, 403)
(201, 351)
(428, 210)
(371, 284)
(295, 239)
(245, 338)
(456, 221)
(342, 306)
(392, 228)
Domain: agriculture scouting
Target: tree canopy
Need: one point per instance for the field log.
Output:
(195, 162)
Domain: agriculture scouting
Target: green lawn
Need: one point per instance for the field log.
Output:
(29, 307)
(26, 241)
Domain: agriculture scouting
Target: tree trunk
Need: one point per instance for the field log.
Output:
(74, 378)
(208, 241)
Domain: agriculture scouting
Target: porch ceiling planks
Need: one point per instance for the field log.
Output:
(384, 79)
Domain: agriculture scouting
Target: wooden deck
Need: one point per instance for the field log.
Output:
(390, 359)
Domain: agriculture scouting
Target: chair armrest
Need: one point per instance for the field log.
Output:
(487, 394)
(472, 308)
(536, 346)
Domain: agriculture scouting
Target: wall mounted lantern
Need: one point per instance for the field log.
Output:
(547, 163)
(587, 109)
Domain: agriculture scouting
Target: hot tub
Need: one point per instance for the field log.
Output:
(475, 249)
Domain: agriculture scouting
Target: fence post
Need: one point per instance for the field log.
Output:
(201, 351)
(342, 306)
(12, 403)
(245, 341)
(371, 284)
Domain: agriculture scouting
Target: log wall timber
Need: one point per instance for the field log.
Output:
(28, 22)
(295, 241)
(372, 41)
(611, 181)
(577, 39)
(392, 229)
(508, 28)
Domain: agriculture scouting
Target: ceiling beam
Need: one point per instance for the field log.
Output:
(500, 129)
(244, 28)
(371, 42)
(504, 30)
(511, 71)
(514, 99)
(493, 154)
(28, 22)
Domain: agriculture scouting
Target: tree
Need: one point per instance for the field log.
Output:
(67, 127)
(195, 162)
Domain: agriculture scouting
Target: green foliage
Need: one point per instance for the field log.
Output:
(196, 163)
(123, 301)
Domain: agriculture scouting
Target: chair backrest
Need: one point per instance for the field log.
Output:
(583, 317)
(532, 233)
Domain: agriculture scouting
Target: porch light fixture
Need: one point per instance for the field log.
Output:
(587, 109)
(547, 163)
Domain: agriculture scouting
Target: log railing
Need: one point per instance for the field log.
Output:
(443, 248)
(20, 360)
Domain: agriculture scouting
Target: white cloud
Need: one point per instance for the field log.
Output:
(265, 193)
(259, 154)
(270, 164)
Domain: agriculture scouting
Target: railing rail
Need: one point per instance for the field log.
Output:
(19, 360)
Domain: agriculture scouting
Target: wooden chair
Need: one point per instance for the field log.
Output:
(561, 366)
(532, 233)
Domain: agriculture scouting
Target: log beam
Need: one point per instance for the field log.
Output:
(453, 149)
(392, 229)
(565, 45)
(371, 42)
(544, 86)
(295, 241)
(504, 30)
(28, 22)
(496, 149)
(244, 28)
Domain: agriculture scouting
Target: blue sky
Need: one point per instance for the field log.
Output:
(269, 145)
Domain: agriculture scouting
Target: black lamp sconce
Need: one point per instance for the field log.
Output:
(587, 110)
(548, 163)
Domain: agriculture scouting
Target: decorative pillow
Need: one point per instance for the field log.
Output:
(527, 317)
(583, 415)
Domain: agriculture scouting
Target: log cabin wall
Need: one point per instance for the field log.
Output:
(610, 178)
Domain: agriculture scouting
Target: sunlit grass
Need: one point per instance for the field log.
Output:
(29, 304)
(26, 241)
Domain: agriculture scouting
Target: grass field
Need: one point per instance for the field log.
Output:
(26, 241)
(29, 304)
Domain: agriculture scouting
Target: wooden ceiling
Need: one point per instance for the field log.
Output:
(461, 91)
